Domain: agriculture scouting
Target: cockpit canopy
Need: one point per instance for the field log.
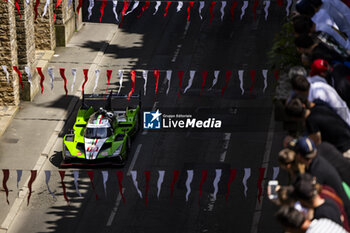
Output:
(98, 132)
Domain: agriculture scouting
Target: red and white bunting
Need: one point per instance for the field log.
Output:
(204, 79)
(168, 78)
(156, 76)
(233, 173)
(144, 7)
(133, 76)
(244, 7)
(45, 8)
(240, 77)
(58, 3)
(114, 9)
(62, 173)
(211, 8)
(136, 3)
(109, 75)
(222, 9)
(74, 73)
(201, 6)
(63, 76)
(91, 177)
(6, 72)
(104, 181)
(190, 81)
(256, 3)
(6, 173)
(266, 8)
(216, 77)
(157, 7)
(76, 178)
(264, 73)
(160, 182)
(188, 183)
(120, 74)
(190, 5)
(91, 6)
(120, 184)
(203, 179)
(232, 10)
(147, 178)
(68, 5)
(276, 171)
(252, 76)
(218, 173)
(42, 78)
(260, 179)
(51, 75)
(80, 4)
(86, 72)
(19, 75)
(126, 5)
(166, 10)
(144, 76)
(134, 180)
(244, 181)
(176, 174)
(102, 8)
(97, 74)
(47, 180)
(19, 177)
(181, 74)
(228, 76)
(30, 183)
(29, 75)
(179, 6)
(289, 3)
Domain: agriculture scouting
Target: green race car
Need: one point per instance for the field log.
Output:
(101, 136)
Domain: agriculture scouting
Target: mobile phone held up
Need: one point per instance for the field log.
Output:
(272, 189)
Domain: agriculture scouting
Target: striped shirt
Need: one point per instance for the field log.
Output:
(324, 225)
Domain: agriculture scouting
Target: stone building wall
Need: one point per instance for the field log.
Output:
(45, 36)
(9, 92)
(65, 22)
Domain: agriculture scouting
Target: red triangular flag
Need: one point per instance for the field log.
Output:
(17, 7)
(175, 177)
(144, 7)
(109, 75)
(42, 78)
(120, 179)
(91, 176)
(204, 177)
(86, 72)
(156, 75)
(126, 5)
(256, 3)
(204, 78)
(212, 4)
(30, 182)
(148, 176)
(252, 75)
(19, 76)
(190, 5)
(80, 4)
(276, 74)
(261, 177)
(57, 5)
(63, 185)
(167, 8)
(133, 74)
(232, 10)
(63, 76)
(37, 2)
(181, 74)
(228, 75)
(102, 9)
(230, 180)
(6, 173)
(280, 2)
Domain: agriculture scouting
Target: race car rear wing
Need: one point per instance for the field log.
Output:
(109, 98)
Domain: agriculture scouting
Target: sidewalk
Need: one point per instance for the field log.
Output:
(32, 127)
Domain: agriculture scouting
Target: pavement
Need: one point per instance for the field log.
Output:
(32, 128)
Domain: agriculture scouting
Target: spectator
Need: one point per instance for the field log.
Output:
(321, 123)
(322, 91)
(294, 221)
(286, 159)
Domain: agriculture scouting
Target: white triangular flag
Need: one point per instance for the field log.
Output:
(19, 176)
(115, 3)
(216, 77)
(74, 73)
(29, 74)
(91, 6)
(105, 179)
(188, 183)
(276, 170)
(266, 8)
(27, 1)
(218, 173)
(136, 4)
(168, 77)
(76, 177)
(97, 72)
(223, 5)
(240, 77)
(190, 81)
(6, 72)
(45, 7)
(201, 6)
(47, 179)
(157, 7)
(69, 3)
(264, 73)
(179, 6)
(120, 73)
(133, 176)
(160, 182)
(144, 76)
(52, 77)
(289, 3)
(245, 5)
(245, 178)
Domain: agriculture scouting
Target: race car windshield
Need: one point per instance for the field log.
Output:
(98, 132)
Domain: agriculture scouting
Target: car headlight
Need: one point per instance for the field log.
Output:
(118, 150)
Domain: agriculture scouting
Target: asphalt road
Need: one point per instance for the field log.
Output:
(251, 139)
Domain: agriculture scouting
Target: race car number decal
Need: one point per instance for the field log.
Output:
(92, 149)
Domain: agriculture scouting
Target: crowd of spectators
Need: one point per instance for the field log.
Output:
(317, 198)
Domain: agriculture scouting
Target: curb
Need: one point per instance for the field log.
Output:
(5, 225)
